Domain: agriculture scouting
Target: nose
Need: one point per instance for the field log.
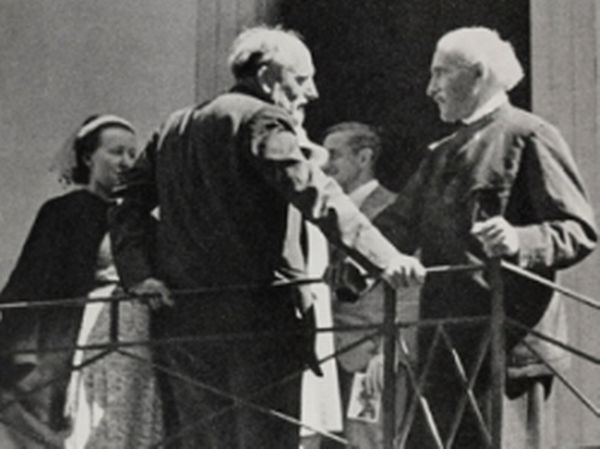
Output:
(432, 87)
(126, 161)
(311, 92)
(329, 168)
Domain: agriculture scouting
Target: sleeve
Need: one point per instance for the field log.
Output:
(399, 221)
(274, 152)
(566, 231)
(131, 224)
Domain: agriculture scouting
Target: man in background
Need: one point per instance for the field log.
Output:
(223, 175)
(354, 149)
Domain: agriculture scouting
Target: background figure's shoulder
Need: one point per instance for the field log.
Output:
(378, 201)
(69, 207)
(71, 199)
(384, 195)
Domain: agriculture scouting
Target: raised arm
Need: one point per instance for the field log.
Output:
(274, 151)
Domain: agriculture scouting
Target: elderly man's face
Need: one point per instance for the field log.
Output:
(453, 86)
(295, 86)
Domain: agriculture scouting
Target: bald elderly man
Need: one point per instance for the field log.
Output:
(223, 175)
(504, 184)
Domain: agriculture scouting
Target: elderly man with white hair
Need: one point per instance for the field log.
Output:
(223, 174)
(504, 184)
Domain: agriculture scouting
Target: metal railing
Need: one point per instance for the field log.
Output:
(395, 433)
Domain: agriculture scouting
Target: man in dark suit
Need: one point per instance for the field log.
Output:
(354, 149)
(504, 184)
(222, 175)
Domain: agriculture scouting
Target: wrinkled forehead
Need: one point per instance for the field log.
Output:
(447, 59)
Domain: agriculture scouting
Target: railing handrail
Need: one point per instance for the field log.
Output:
(389, 328)
(23, 303)
(569, 293)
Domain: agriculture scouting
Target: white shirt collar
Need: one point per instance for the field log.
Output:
(491, 105)
(360, 194)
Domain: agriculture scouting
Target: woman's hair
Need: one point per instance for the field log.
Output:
(87, 141)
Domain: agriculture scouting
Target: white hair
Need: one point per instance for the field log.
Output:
(485, 46)
(260, 45)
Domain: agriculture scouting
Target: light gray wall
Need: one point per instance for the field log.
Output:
(565, 55)
(62, 60)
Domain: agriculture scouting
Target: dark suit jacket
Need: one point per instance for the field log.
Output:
(511, 163)
(368, 309)
(222, 175)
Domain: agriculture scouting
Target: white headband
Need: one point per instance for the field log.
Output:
(107, 119)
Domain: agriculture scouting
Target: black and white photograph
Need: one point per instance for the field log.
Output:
(299, 224)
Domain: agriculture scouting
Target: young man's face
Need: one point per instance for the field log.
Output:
(453, 86)
(344, 164)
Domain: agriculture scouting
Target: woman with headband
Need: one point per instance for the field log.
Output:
(112, 402)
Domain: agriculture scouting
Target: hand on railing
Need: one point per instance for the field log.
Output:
(154, 292)
(404, 271)
(498, 237)
(350, 281)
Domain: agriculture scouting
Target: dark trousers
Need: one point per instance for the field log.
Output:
(207, 375)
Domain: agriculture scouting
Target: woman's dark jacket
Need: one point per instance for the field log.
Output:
(58, 261)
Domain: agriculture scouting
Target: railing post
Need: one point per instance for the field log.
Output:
(498, 354)
(114, 322)
(389, 374)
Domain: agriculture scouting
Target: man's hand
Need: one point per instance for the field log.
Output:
(154, 292)
(404, 271)
(498, 237)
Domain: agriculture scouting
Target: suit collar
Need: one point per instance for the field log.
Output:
(377, 201)
(495, 102)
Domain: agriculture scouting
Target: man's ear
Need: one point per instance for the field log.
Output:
(266, 77)
(480, 70)
(481, 76)
(87, 160)
(365, 155)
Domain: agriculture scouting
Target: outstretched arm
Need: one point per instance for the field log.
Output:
(274, 151)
